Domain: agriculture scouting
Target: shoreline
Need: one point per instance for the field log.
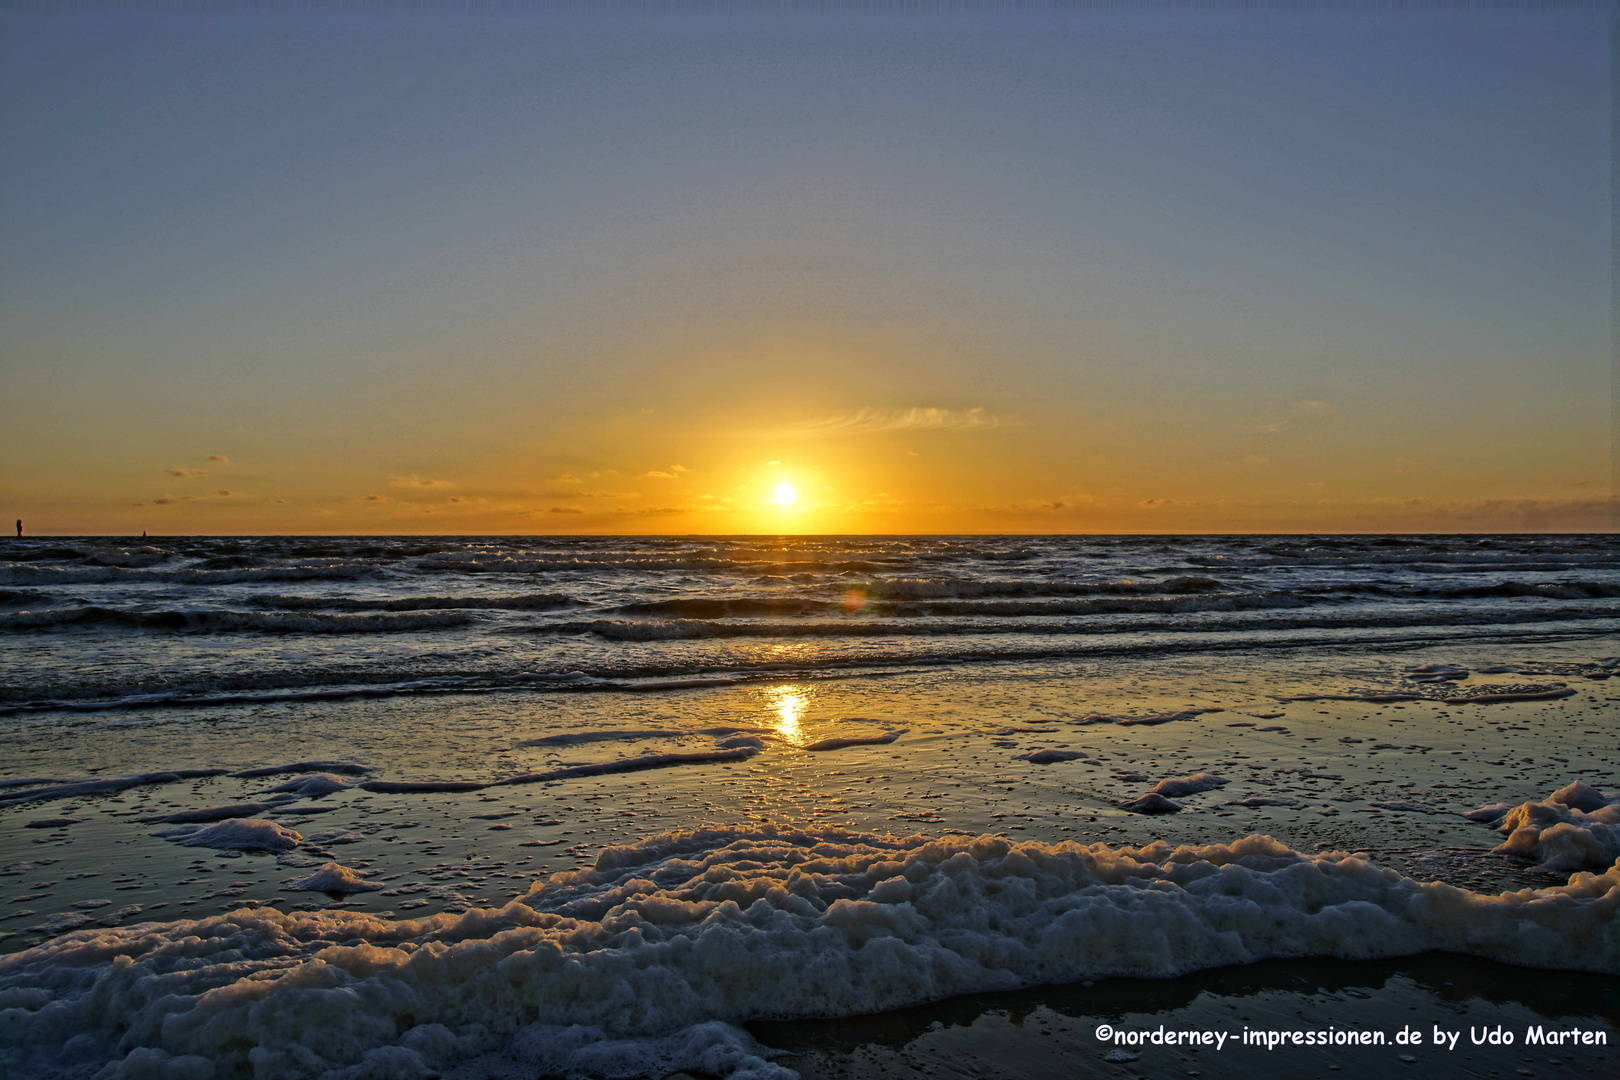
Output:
(1047, 759)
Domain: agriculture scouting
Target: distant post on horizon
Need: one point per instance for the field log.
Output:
(19, 528)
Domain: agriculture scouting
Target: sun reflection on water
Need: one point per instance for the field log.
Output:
(789, 704)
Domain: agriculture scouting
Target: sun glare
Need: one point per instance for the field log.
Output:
(784, 495)
(789, 704)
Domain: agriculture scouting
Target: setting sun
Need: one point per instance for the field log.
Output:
(522, 417)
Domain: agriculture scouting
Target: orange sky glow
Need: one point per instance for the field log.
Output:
(612, 275)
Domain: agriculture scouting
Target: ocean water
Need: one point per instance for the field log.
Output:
(206, 622)
(494, 806)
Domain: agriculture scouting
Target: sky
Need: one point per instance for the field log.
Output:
(830, 271)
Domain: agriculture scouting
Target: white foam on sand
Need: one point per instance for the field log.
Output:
(1188, 785)
(1151, 803)
(1158, 799)
(717, 926)
(62, 920)
(237, 834)
(314, 786)
(331, 878)
(1575, 828)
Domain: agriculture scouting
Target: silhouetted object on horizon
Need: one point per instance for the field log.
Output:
(19, 528)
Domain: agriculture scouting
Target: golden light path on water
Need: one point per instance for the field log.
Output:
(789, 704)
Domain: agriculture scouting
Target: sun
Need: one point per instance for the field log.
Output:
(784, 495)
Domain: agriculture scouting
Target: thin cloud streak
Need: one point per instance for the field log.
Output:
(869, 421)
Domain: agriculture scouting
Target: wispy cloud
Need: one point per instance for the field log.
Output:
(1072, 503)
(869, 420)
(419, 482)
(674, 473)
(218, 459)
(1297, 412)
(1408, 464)
(565, 510)
(184, 473)
(582, 494)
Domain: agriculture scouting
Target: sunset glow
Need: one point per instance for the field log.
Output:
(968, 286)
(788, 541)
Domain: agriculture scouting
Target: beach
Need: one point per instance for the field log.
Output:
(808, 542)
(836, 806)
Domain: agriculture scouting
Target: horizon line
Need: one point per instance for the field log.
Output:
(613, 536)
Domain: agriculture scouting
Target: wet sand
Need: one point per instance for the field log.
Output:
(957, 765)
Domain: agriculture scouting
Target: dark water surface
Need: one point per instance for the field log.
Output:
(507, 808)
(105, 623)
(1053, 1031)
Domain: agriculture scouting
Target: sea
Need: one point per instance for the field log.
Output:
(933, 806)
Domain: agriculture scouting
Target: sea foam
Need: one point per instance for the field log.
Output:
(664, 942)
(1575, 828)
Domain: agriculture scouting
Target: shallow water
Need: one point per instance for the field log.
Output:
(568, 747)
